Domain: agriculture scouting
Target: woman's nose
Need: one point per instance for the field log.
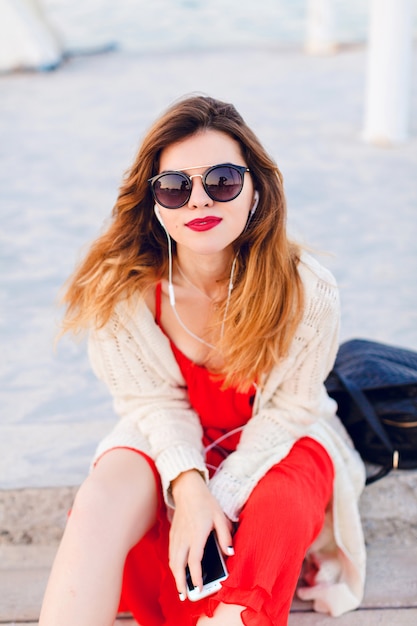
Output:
(199, 196)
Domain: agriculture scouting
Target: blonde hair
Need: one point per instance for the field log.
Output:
(131, 255)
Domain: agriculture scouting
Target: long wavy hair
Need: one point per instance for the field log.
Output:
(131, 255)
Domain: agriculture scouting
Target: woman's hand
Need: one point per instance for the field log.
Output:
(196, 513)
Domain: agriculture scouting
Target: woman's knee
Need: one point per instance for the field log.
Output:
(120, 492)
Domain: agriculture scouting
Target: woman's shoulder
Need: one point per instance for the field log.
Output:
(137, 306)
(321, 293)
(132, 332)
(132, 316)
(312, 272)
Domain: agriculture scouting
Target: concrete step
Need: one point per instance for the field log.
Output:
(405, 617)
(389, 509)
(32, 521)
(391, 590)
(121, 621)
(34, 516)
(399, 617)
(37, 516)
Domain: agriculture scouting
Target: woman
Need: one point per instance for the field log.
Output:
(214, 334)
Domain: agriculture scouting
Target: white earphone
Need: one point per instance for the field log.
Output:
(170, 285)
(255, 203)
(158, 216)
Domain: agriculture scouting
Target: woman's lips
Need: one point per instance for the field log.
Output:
(206, 223)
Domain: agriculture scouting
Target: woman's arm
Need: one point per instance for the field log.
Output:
(134, 359)
(292, 400)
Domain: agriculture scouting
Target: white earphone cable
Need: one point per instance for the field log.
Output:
(171, 293)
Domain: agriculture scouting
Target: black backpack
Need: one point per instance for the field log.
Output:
(375, 387)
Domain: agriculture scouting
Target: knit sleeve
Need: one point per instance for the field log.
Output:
(292, 401)
(134, 359)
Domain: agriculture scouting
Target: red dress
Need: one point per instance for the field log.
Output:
(280, 520)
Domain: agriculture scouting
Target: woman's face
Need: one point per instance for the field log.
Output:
(202, 225)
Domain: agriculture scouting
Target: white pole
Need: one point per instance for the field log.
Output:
(387, 98)
(320, 27)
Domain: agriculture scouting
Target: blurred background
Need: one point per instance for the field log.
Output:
(70, 125)
(155, 25)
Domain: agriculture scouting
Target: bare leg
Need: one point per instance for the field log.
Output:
(113, 510)
(224, 614)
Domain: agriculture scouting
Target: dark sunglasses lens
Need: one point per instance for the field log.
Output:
(224, 183)
(171, 190)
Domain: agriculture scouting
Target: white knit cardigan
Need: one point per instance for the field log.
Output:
(134, 358)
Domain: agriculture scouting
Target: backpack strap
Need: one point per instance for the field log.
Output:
(367, 411)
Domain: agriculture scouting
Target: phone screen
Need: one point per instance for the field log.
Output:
(212, 564)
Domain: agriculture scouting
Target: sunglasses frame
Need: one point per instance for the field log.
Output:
(242, 169)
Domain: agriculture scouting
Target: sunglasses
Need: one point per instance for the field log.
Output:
(222, 183)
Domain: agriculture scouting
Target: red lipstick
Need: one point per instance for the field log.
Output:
(205, 223)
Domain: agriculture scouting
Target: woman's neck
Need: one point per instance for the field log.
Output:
(204, 274)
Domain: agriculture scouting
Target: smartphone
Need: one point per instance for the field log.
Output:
(213, 569)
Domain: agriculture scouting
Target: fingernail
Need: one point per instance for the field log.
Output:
(230, 550)
(181, 596)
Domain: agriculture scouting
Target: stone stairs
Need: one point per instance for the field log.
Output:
(31, 523)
